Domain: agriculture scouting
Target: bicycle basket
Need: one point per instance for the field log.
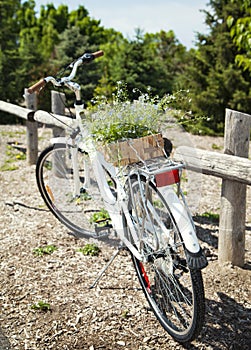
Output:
(134, 150)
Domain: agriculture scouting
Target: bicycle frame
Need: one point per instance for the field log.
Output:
(118, 205)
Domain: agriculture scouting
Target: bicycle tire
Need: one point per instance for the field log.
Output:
(54, 175)
(174, 292)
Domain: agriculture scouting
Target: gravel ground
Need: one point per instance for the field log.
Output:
(114, 315)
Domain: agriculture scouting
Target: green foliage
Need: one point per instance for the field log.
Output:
(100, 218)
(90, 249)
(240, 31)
(122, 119)
(9, 59)
(39, 44)
(216, 147)
(12, 156)
(45, 250)
(125, 313)
(211, 216)
(41, 305)
(214, 80)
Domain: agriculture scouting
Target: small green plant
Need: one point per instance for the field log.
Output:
(84, 196)
(90, 249)
(48, 249)
(8, 167)
(158, 204)
(100, 218)
(211, 216)
(216, 147)
(41, 305)
(12, 134)
(125, 313)
(48, 165)
(12, 156)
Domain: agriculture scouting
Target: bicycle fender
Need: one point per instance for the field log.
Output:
(64, 140)
(182, 219)
(195, 256)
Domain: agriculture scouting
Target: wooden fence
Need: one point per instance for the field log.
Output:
(233, 166)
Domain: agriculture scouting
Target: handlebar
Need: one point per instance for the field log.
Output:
(85, 58)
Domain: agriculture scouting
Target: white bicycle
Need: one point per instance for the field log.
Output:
(147, 213)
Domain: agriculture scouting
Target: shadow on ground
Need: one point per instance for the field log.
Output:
(4, 342)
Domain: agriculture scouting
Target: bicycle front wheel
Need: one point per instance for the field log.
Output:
(70, 192)
(174, 291)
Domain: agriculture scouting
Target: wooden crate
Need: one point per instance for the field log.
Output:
(133, 150)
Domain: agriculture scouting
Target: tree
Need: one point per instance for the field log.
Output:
(213, 78)
(72, 45)
(149, 60)
(29, 42)
(9, 58)
(241, 34)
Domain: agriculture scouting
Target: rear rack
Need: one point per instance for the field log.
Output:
(163, 171)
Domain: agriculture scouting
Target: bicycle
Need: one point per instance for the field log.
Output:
(147, 213)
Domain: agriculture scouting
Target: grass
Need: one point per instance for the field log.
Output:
(101, 217)
(8, 167)
(216, 147)
(211, 216)
(48, 249)
(12, 155)
(41, 305)
(12, 134)
(90, 249)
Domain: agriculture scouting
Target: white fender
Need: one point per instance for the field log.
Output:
(56, 140)
(182, 219)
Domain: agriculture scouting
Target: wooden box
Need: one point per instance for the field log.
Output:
(134, 150)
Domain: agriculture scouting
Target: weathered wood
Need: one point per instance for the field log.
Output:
(52, 119)
(14, 109)
(40, 116)
(31, 130)
(225, 166)
(233, 194)
(58, 107)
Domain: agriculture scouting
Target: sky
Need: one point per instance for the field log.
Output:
(182, 16)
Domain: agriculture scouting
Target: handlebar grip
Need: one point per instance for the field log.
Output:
(37, 86)
(98, 54)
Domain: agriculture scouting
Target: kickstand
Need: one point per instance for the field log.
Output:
(106, 267)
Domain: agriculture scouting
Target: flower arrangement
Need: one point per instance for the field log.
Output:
(128, 131)
(121, 119)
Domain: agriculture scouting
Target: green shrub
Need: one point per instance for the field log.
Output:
(41, 305)
(90, 249)
(48, 249)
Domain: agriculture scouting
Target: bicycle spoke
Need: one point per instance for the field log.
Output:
(174, 293)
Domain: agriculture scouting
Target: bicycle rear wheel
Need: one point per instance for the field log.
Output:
(73, 198)
(174, 291)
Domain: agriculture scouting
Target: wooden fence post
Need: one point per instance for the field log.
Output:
(58, 107)
(233, 194)
(31, 129)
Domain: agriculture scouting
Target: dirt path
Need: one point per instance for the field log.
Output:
(114, 315)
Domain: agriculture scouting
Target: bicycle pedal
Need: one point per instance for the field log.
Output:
(106, 227)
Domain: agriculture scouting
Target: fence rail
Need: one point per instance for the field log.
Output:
(233, 167)
(225, 166)
(55, 120)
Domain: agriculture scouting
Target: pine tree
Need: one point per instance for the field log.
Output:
(212, 76)
(9, 59)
